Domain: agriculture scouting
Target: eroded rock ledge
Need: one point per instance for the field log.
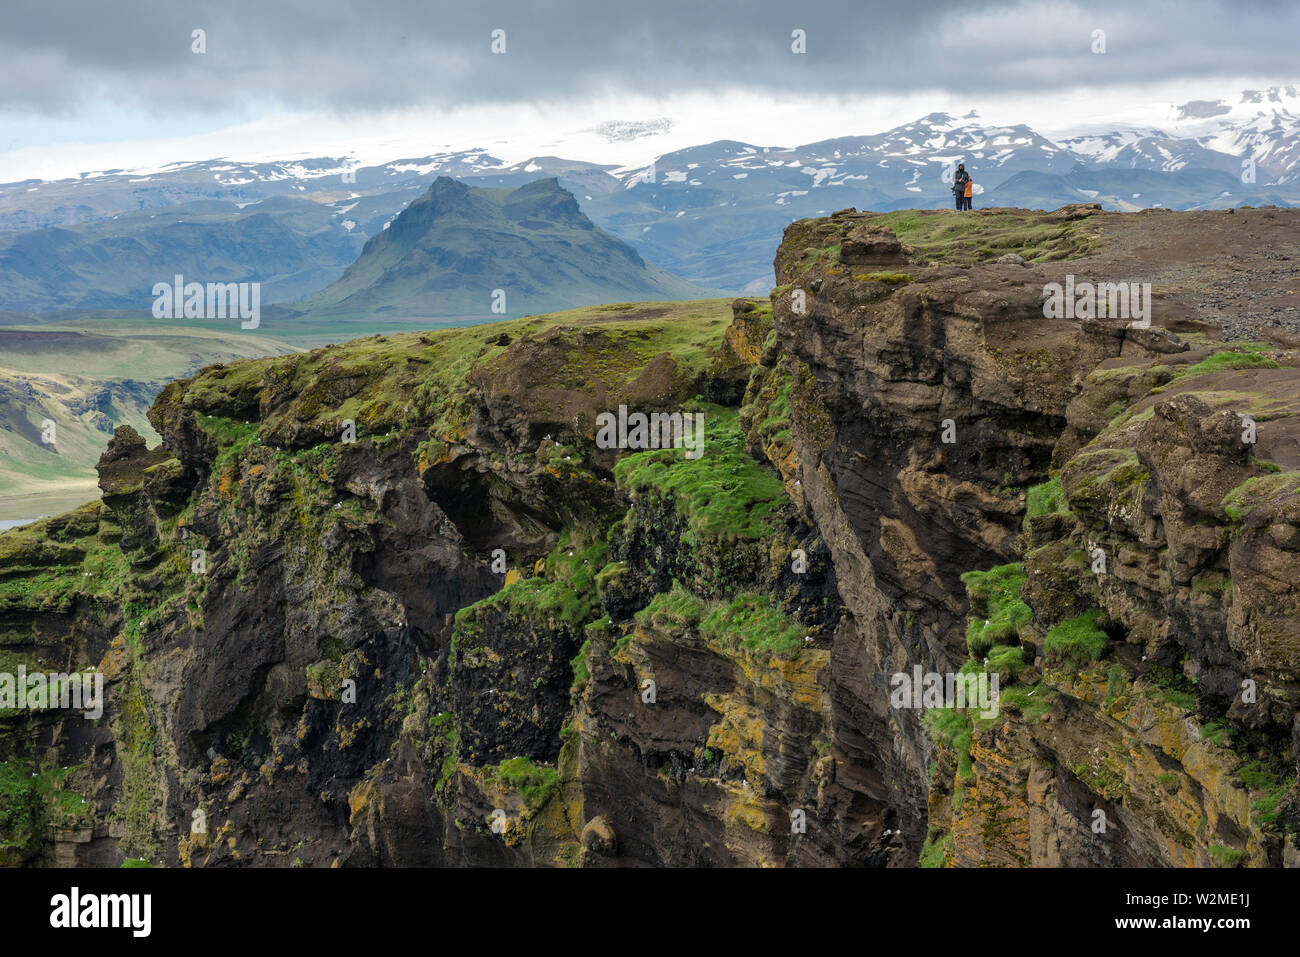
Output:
(686, 662)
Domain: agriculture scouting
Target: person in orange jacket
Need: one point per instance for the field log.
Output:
(961, 183)
(970, 188)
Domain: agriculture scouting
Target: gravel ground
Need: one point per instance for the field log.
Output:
(1238, 270)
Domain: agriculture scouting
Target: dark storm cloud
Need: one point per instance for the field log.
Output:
(369, 54)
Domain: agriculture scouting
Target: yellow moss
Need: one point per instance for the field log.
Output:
(115, 659)
(739, 736)
(359, 801)
(794, 677)
(220, 770)
(755, 828)
(348, 733)
(745, 811)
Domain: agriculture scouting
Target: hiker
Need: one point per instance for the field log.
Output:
(961, 187)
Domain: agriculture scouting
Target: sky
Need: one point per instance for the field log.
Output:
(89, 84)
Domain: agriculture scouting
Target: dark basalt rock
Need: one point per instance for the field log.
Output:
(351, 674)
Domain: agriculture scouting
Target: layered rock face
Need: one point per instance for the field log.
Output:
(1112, 508)
(391, 603)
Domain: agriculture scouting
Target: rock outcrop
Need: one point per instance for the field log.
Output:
(390, 603)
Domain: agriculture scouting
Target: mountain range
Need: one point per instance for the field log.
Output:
(466, 251)
(706, 213)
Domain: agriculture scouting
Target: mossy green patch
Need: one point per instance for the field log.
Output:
(1076, 643)
(964, 239)
(1045, 499)
(951, 728)
(1217, 731)
(888, 278)
(566, 592)
(1225, 856)
(532, 782)
(138, 802)
(935, 850)
(747, 621)
(672, 611)
(1227, 359)
(1255, 491)
(997, 612)
(752, 622)
(1272, 777)
(723, 494)
(1008, 661)
(581, 673)
(33, 798)
(21, 808)
(1031, 703)
(770, 410)
(52, 564)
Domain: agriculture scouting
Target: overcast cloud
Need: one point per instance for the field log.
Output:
(61, 56)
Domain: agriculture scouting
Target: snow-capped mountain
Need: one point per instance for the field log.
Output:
(1149, 149)
(1259, 125)
(1270, 135)
(712, 213)
(922, 152)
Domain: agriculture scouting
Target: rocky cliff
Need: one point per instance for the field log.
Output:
(391, 603)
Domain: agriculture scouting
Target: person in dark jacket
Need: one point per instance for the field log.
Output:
(959, 185)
